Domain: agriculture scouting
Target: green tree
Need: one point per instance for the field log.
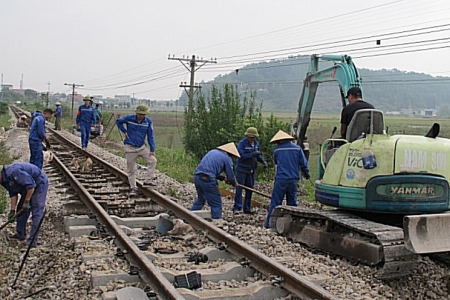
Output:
(30, 94)
(223, 118)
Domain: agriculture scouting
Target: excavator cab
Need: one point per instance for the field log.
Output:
(365, 121)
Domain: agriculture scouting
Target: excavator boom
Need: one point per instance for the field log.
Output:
(343, 71)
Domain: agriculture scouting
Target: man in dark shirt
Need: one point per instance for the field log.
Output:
(355, 102)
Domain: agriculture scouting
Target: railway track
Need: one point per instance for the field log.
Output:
(103, 190)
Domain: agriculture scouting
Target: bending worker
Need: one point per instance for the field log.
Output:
(85, 119)
(138, 127)
(289, 159)
(249, 151)
(31, 184)
(37, 136)
(208, 172)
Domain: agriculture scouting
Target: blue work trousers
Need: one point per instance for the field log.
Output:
(281, 188)
(36, 155)
(85, 132)
(37, 211)
(246, 179)
(208, 191)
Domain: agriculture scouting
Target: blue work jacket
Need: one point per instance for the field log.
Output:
(58, 111)
(289, 159)
(137, 131)
(37, 129)
(247, 163)
(18, 178)
(215, 162)
(86, 115)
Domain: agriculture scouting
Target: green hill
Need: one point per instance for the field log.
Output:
(278, 84)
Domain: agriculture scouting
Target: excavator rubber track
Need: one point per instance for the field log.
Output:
(344, 234)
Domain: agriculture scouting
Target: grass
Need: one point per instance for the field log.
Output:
(4, 121)
(5, 159)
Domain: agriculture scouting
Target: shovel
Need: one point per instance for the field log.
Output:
(7, 222)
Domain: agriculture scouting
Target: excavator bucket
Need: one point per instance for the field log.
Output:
(427, 233)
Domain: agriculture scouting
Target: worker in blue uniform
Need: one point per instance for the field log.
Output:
(31, 184)
(289, 160)
(85, 119)
(250, 153)
(37, 137)
(138, 128)
(208, 172)
(58, 115)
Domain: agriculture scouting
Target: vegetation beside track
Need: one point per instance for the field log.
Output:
(5, 159)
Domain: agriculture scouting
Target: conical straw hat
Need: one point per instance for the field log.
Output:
(281, 135)
(230, 148)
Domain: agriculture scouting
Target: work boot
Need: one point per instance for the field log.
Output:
(133, 192)
(15, 237)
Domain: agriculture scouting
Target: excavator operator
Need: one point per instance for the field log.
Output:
(355, 102)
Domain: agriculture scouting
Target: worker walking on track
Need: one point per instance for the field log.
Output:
(250, 153)
(289, 159)
(85, 119)
(138, 128)
(37, 137)
(31, 184)
(58, 116)
(208, 172)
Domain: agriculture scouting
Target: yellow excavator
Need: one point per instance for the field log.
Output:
(390, 193)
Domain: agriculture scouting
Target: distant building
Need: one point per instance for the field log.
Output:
(122, 98)
(393, 113)
(428, 112)
(77, 99)
(7, 86)
(18, 91)
(407, 112)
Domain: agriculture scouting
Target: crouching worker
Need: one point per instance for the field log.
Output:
(208, 172)
(31, 184)
(289, 159)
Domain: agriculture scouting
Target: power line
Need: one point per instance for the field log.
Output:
(74, 85)
(191, 64)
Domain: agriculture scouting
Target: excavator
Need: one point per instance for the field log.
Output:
(385, 198)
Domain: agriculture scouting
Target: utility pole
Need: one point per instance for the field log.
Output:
(48, 94)
(74, 85)
(191, 65)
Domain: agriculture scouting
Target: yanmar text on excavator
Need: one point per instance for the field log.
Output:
(391, 192)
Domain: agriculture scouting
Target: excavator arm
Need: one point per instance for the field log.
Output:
(343, 71)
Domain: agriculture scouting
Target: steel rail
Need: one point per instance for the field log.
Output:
(148, 272)
(290, 280)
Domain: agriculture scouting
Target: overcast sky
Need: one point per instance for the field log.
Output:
(122, 47)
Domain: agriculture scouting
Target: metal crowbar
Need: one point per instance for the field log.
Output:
(254, 191)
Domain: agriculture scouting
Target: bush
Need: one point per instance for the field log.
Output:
(5, 159)
(223, 118)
